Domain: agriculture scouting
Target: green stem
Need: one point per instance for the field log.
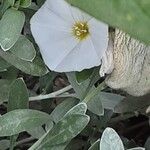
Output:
(59, 93)
(93, 79)
(12, 142)
(27, 140)
(94, 92)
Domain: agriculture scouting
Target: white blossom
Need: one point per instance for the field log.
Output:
(68, 38)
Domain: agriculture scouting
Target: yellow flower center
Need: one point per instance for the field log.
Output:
(80, 30)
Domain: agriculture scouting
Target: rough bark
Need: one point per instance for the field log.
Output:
(131, 60)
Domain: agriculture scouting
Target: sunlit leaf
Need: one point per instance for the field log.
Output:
(110, 140)
(62, 132)
(21, 120)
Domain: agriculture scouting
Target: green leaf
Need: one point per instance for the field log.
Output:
(37, 132)
(95, 146)
(62, 132)
(18, 95)
(49, 125)
(103, 121)
(4, 144)
(81, 88)
(80, 108)
(35, 68)
(46, 82)
(18, 99)
(82, 92)
(4, 65)
(5, 5)
(110, 140)
(11, 2)
(24, 49)
(95, 105)
(4, 90)
(11, 25)
(59, 112)
(83, 75)
(67, 107)
(110, 100)
(10, 74)
(21, 120)
(132, 16)
(137, 148)
(94, 92)
(25, 3)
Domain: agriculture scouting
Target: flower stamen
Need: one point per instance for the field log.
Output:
(80, 30)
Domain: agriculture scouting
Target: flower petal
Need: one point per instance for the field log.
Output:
(83, 56)
(79, 15)
(46, 18)
(66, 11)
(61, 8)
(99, 36)
(54, 44)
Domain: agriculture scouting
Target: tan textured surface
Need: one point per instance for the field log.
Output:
(131, 65)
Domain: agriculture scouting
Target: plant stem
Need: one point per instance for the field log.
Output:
(93, 93)
(12, 142)
(59, 93)
(27, 140)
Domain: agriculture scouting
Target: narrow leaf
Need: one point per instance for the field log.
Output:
(95, 104)
(18, 95)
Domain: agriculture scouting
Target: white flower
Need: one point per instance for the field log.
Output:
(69, 39)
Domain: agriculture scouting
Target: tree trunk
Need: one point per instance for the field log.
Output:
(131, 60)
